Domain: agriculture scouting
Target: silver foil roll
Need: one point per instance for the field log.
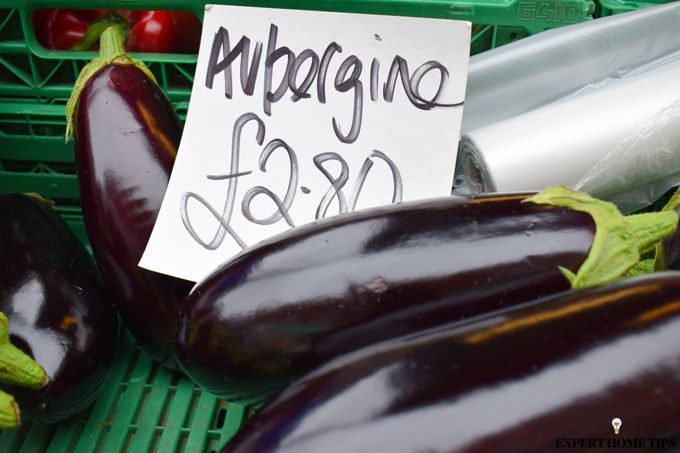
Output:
(540, 69)
(606, 141)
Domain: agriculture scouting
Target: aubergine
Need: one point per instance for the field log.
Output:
(126, 139)
(528, 378)
(301, 298)
(58, 309)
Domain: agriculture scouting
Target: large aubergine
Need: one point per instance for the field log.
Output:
(530, 378)
(126, 136)
(59, 311)
(306, 296)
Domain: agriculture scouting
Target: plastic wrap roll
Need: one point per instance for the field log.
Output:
(605, 141)
(518, 77)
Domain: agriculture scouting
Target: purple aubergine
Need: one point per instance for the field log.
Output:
(313, 293)
(303, 297)
(126, 139)
(59, 311)
(529, 378)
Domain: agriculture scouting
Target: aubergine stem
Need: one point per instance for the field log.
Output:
(111, 50)
(651, 226)
(645, 266)
(619, 241)
(17, 367)
(674, 201)
(96, 28)
(10, 416)
(661, 260)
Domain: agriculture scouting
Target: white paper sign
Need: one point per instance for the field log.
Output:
(300, 115)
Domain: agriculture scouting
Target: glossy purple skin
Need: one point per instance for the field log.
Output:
(126, 141)
(514, 380)
(59, 311)
(304, 297)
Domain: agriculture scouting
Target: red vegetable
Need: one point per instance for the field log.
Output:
(62, 28)
(148, 31)
(187, 29)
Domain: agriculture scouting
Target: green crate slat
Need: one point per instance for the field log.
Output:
(235, 417)
(98, 419)
(129, 404)
(11, 439)
(202, 418)
(78, 227)
(176, 415)
(33, 71)
(48, 149)
(65, 435)
(611, 7)
(149, 419)
(61, 90)
(14, 46)
(32, 109)
(48, 185)
(35, 439)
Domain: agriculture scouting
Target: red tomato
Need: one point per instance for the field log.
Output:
(151, 32)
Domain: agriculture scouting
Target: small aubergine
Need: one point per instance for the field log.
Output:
(301, 298)
(59, 311)
(126, 139)
(521, 379)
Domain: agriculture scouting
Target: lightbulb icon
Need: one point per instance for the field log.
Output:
(616, 423)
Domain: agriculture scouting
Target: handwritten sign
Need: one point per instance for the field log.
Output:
(298, 115)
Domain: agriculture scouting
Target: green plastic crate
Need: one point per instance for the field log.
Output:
(28, 70)
(611, 7)
(145, 407)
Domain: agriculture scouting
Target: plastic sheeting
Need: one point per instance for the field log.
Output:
(592, 106)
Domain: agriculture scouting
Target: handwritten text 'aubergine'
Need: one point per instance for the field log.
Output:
(347, 78)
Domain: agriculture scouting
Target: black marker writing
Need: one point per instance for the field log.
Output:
(344, 84)
(375, 67)
(335, 190)
(273, 55)
(300, 91)
(184, 214)
(283, 206)
(397, 184)
(232, 177)
(242, 49)
(412, 84)
(347, 78)
(323, 70)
